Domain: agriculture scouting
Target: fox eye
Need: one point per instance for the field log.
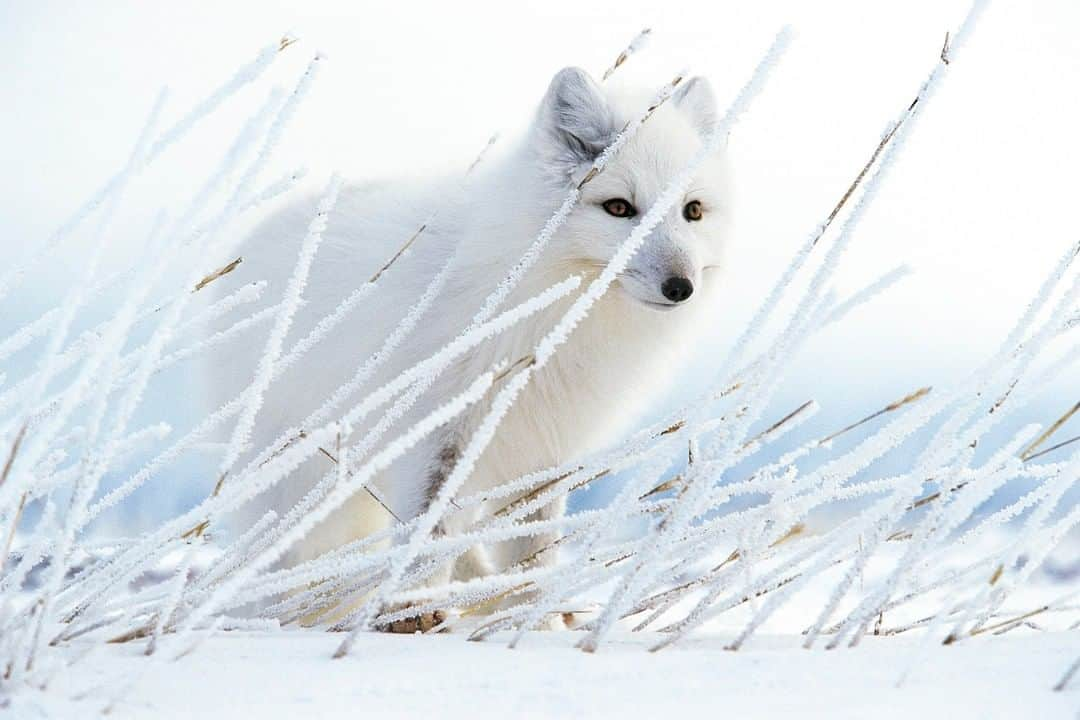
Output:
(617, 207)
(692, 211)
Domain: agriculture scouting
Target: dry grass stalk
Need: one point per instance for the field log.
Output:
(12, 454)
(400, 251)
(487, 604)
(664, 487)
(11, 533)
(522, 362)
(885, 140)
(531, 495)
(630, 49)
(22, 502)
(1028, 451)
(220, 272)
(196, 531)
(1052, 448)
(374, 496)
(891, 407)
(1004, 623)
(781, 422)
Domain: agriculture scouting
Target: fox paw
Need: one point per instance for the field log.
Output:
(417, 623)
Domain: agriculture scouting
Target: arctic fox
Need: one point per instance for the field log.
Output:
(614, 365)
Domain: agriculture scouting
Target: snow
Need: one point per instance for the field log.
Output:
(290, 674)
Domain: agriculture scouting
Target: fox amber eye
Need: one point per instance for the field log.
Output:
(617, 207)
(692, 211)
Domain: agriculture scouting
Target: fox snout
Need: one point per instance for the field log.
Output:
(664, 273)
(663, 286)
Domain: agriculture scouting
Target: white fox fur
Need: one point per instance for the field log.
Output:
(614, 365)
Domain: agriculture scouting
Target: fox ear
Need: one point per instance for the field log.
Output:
(695, 98)
(575, 119)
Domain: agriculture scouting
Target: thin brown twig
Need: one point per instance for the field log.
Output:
(490, 602)
(12, 453)
(11, 533)
(1028, 451)
(727, 391)
(369, 491)
(220, 272)
(1004, 397)
(196, 531)
(781, 422)
(400, 251)
(134, 634)
(1052, 448)
(535, 492)
(927, 499)
(626, 53)
(891, 407)
(1004, 623)
(996, 575)
(522, 362)
(664, 487)
(3, 479)
(885, 140)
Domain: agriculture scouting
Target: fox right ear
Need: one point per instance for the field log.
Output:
(575, 119)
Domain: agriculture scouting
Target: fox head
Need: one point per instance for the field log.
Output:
(578, 119)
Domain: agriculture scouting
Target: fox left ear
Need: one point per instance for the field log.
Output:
(575, 118)
(695, 98)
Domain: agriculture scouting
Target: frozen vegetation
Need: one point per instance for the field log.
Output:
(735, 551)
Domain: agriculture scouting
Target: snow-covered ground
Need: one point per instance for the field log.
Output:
(290, 675)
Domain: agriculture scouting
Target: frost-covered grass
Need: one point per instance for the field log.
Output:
(725, 519)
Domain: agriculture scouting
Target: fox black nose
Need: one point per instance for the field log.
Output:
(677, 289)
